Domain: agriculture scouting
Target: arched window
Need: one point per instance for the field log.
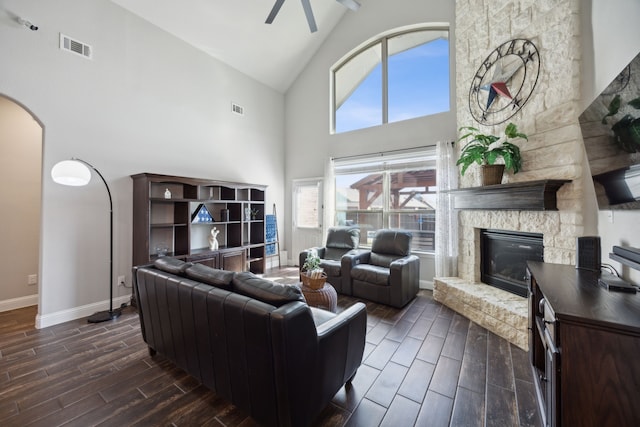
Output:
(399, 75)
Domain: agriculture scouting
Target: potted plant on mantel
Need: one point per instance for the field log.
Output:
(485, 150)
(312, 275)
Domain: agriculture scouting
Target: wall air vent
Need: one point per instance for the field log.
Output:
(238, 109)
(74, 46)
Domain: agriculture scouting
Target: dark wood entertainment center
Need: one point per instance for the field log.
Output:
(584, 347)
(164, 225)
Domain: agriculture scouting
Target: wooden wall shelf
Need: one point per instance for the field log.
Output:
(520, 196)
(165, 212)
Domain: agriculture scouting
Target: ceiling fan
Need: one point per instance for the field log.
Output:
(306, 5)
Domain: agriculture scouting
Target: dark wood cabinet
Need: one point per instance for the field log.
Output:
(232, 259)
(165, 221)
(210, 259)
(584, 343)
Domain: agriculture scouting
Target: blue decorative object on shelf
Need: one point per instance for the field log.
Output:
(201, 215)
(270, 234)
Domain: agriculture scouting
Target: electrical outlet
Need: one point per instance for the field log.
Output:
(32, 279)
(121, 281)
(610, 216)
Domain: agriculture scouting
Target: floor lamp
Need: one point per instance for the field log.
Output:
(76, 172)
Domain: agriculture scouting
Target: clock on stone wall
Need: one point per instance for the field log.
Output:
(504, 82)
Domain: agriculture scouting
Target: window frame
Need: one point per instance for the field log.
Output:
(381, 39)
(380, 163)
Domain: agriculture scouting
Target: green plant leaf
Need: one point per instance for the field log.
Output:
(512, 132)
(627, 133)
(469, 128)
(634, 133)
(476, 150)
(508, 160)
(635, 103)
(491, 157)
(513, 159)
(614, 107)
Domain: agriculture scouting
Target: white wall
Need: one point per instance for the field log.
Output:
(147, 102)
(308, 142)
(614, 42)
(20, 164)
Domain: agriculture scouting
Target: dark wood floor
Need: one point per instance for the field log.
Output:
(424, 365)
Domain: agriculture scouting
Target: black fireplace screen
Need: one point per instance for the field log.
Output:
(504, 256)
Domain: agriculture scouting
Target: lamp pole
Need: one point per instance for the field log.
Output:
(102, 316)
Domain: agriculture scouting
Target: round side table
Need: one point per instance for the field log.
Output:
(325, 297)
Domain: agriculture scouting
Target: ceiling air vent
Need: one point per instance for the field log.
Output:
(75, 46)
(238, 109)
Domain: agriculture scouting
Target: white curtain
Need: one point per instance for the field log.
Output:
(328, 202)
(446, 216)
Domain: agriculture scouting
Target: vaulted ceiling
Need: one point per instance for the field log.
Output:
(234, 31)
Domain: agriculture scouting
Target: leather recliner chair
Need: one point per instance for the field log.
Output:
(340, 241)
(387, 274)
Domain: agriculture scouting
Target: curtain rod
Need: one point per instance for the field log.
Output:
(382, 153)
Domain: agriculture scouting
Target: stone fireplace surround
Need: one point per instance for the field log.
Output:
(554, 149)
(502, 312)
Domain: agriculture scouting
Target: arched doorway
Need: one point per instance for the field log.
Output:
(21, 143)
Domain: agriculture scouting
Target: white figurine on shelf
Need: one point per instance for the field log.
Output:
(213, 240)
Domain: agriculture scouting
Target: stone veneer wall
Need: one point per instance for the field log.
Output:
(550, 119)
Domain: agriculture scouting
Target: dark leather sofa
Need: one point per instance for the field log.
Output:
(340, 241)
(250, 340)
(388, 273)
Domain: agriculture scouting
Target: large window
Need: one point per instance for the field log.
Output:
(395, 77)
(389, 190)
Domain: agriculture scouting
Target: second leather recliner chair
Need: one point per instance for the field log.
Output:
(387, 274)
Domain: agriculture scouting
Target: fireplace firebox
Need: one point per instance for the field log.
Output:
(504, 256)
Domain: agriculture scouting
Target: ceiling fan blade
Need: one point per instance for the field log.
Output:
(310, 19)
(274, 11)
(351, 4)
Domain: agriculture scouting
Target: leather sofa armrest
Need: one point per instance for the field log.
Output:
(358, 256)
(401, 263)
(405, 279)
(341, 319)
(347, 262)
(343, 335)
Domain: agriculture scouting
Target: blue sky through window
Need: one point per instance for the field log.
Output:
(419, 81)
(418, 86)
(363, 108)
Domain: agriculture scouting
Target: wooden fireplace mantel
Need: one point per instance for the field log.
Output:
(521, 196)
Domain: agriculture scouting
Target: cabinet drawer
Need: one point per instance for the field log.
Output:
(232, 260)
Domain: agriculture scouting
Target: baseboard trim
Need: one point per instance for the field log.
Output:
(15, 303)
(426, 284)
(44, 320)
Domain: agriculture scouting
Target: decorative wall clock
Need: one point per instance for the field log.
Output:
(504, 82)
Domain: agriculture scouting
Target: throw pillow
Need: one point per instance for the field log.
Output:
(276, 294)
(211, 276)
(171, 265)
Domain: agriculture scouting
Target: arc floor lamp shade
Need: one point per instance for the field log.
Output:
(71, 172)
(77, 172)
